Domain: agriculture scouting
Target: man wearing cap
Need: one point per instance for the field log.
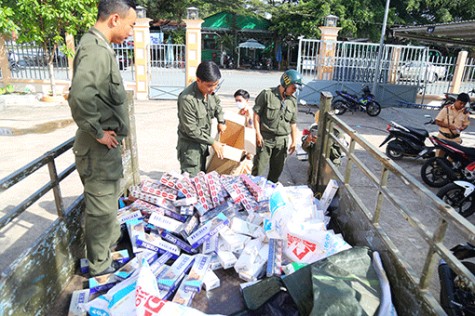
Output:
(453, 119)
(275, 118)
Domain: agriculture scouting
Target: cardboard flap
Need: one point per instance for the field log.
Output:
(250, 140)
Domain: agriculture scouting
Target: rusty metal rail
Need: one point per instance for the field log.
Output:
(53, 184)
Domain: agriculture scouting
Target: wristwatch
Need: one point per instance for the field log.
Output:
(222, 122)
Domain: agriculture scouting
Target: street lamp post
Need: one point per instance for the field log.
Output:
(380, 51)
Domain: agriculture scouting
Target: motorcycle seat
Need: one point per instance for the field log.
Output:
(468, 150)
(419, 132)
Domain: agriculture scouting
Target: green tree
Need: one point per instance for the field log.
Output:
(176, 10)
(7, 26)
(45, 22)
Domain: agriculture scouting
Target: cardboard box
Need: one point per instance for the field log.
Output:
(238, 139)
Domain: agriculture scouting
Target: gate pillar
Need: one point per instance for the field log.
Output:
(141, 55)
(458, 71)
(329, 33)
(193, 44)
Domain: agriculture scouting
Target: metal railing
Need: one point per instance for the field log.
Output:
(468, 76)
(410, 225)
(166, 70)
(48, 159)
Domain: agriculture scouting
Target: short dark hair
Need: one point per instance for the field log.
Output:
(108, 7)
(208, 71)
(464, 97)
(243, 93)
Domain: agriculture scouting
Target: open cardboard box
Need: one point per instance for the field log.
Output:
(238, 139)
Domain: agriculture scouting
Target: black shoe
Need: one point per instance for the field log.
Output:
(111, 269)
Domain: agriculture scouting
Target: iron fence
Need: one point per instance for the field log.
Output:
(468, 76)
(166, 70)
(30, 61)
(410, 66)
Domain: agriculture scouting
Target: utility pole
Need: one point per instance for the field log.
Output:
(380, 51)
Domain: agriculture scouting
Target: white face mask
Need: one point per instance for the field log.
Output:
(240, 105)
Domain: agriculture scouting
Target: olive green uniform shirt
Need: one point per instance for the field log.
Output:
(97, 92)
(275, 116)
(195, 115)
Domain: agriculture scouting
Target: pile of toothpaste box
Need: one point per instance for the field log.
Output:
(187, 227)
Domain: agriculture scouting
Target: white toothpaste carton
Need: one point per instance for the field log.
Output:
(215, 264)
(194, 280)
(189, 226)
(77, 299)
(84, 265)
(232, 241)
(125, 271)
(165, 222)
(158, 266)
(183, 296)
(253, 268)
(244, 227)
(226, 258)
(177, 269)
(127, 216)
(211, 281)
(155, 243)
(210, 228)
(135, 227)
(249, 254)
(210, 246)
(328, 195)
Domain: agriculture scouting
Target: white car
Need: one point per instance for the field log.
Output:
(416, 71)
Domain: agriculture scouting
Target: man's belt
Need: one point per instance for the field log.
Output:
(450, 136)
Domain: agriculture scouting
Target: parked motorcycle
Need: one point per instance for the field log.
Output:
(439, 171)
(456, 298)
(461, 194)
(268, 63)
(13, 62)
(229, 62)
(347, 101)
(407, 141)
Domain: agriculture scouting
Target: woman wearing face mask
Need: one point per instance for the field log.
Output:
(242, 102)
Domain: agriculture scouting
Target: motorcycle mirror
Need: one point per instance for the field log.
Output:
(302, 102)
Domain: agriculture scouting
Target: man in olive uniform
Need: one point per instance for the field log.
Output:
(275, 117)
(197, 106)
(96, 100)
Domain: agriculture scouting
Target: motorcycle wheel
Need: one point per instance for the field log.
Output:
(433, 173)
(373, 108)
(339, 107)
(395, 150)
(452, 194)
